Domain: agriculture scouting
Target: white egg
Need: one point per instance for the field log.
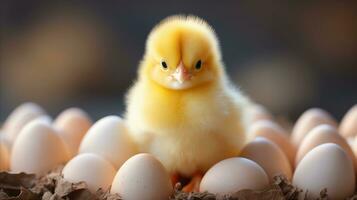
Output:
(108, 138)
(232, 175)
(38, 149)
(326, 166)
(142, 177)
(22, 115)
(94, 170)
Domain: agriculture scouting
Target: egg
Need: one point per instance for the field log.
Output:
(37, 149)
(269, 156)
(90, 168)
(18, 119)
(348, 126)
(72, 125)
(307, 121)
(109, 138)
(258, 112)
(234, 174)
(319, 135)
(4, 157)
(142, 177)
(326, 166)
(275, 133)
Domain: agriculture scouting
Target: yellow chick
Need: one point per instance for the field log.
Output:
(182, 108)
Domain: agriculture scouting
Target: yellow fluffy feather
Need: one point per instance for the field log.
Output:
(182, 108)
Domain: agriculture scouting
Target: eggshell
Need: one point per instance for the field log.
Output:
(19, 118)
(273, 132)
(142, 177)
(326, 166)
(37, 149)
(307, 121)
(232, 175)
(90, 168)
(319, 135)
(348, 126)
(269, 156)
(4, 157)
(73, 124)
(109, 138)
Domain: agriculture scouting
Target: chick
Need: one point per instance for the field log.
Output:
(182, 108)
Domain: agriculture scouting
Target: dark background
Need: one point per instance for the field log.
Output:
(287, 55)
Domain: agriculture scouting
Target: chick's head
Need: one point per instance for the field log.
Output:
(182, 53)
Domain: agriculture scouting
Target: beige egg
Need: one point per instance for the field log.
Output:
(319, 135)
(72, 125)
(326, 166)
(348, 126)
(37, 149)
(4, 157)
(232, 175)
(109, 138)
(275, 133)
(258, 112)
(90, 168)
(18, 119)
(142, 177)
(269, 156)
(307, 121)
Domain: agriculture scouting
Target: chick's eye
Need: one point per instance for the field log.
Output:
(198, 65)
(164, 65)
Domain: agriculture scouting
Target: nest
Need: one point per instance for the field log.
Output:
(52, 186)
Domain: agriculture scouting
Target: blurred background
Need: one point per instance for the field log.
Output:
(287, 56)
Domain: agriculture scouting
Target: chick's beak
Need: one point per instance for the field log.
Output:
(181, 74)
